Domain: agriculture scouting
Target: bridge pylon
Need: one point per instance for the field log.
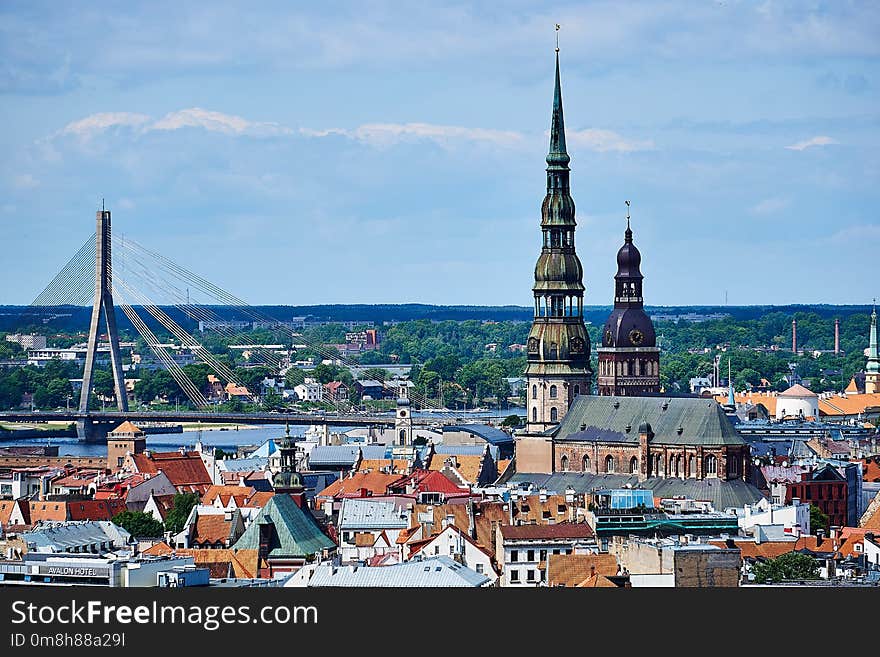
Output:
(103, 303)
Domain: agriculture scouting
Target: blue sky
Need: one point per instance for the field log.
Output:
(362, 153)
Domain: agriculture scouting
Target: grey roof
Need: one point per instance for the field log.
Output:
(722, 494)
(322, 455)
(467, 450)
(605, 419)
(373, 452)
(372, 514)
(799, 449)
(61, 536)
(428, 573)
(492, 435)
(369, 383)
(244, 465)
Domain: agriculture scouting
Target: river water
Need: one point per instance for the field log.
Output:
(228, 440)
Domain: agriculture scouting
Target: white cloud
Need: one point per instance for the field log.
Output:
(95, 123)
(386, 134)
(858, 234)
(819, 140)
(196, 117)
(25, 181)
(769, 206)
(595, 139)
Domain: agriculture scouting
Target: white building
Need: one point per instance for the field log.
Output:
(794, 518)
(457, 545)
(369, 528)
(29, 341)
(797, 402)
(524, 549)
(76, 354)
(310, 390)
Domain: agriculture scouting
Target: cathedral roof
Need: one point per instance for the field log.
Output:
(674, 421)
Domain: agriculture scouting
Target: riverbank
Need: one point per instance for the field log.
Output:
(25, 431)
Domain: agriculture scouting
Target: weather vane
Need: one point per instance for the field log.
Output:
(627, 213)
(557, 37)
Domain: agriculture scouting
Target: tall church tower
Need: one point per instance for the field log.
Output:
(872, 371)
(629, 360)
(558, 346)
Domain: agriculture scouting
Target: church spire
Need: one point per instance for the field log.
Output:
(558, 155)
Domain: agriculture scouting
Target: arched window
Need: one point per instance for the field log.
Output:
(402, 436)
(554, 415)
(534, 392)
(633, 465)
(733, 467)
(586, 463)
(535, 414)
(552, 392)
(658, 465)
(609, 463)
(563, 463)
(692, 466)
(577, 390)
(710, 466)
(554, 351)
(625, 368)
(673, 465)
(679, 466)
(636, 370)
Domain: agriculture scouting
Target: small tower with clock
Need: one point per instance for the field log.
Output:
(629, 360)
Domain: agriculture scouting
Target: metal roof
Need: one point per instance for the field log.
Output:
(673, 420)
(722, 494)
(428, 573)
(250, 464)
(372, 514)
(59, 537)
(334, 455)
(296, 532)
(492, 435)
(467, 450)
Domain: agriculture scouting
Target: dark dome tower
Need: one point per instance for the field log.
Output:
(558, 346)
(629, 360)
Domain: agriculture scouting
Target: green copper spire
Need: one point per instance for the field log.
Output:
(558, 156)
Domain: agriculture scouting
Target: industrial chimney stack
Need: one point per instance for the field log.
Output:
(836, 337)
(794, 336)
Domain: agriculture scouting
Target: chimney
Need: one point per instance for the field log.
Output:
(794, 336)
(820, 534)
(836, 336)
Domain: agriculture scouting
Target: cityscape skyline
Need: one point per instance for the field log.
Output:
(207, 151)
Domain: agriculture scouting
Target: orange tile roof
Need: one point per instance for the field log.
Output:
(164, 503)
(55, 510)
(127, 427)
(772, 549)
(375, 483)
(239, 493)
(259, 499)
(211, 529)
(839, 405)
(797, 390)
(871, 517)
(224, 562)
(468, 466)
(576, 569)
(502, 465)
(158, 549)
(769, 401)
(6, 509)
(364, 539)
(406, 534)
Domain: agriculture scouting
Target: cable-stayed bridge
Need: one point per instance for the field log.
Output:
(108, 272)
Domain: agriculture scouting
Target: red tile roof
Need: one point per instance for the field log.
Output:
(211, 530)
(430, 481)
(372, 483)
(239, 493)
(53, 510)
(562, 530)
(95, 509)
(185, 471)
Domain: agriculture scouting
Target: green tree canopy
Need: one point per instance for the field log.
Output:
(182, 504)
(789, 566)
(139, 524)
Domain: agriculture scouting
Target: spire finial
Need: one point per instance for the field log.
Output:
(628, 234)
(558, 156)
(557, 36)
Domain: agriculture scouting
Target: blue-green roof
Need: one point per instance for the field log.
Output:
(296, 534)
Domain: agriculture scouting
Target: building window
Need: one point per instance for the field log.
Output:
(554, 351)
(733, 466)
(514, 576)
(711, 465)
(552, 392)
(586, 463)
(563, 463)
(609, 463)
(577, 390)
(451, 549)
(514, 556)
(534, 392)
(530, 575)
(119, 460)
(658, 465)
(530, 555)
(554, 414)
(633, 465)
(543, 555)
(535, 414)
(692, 466)
(479, 568)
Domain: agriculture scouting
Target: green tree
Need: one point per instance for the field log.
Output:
(512, 421)
(788, 566)
(139, 524)
(375, 374)
(294, 377)
(181, 505)
(818, 520)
